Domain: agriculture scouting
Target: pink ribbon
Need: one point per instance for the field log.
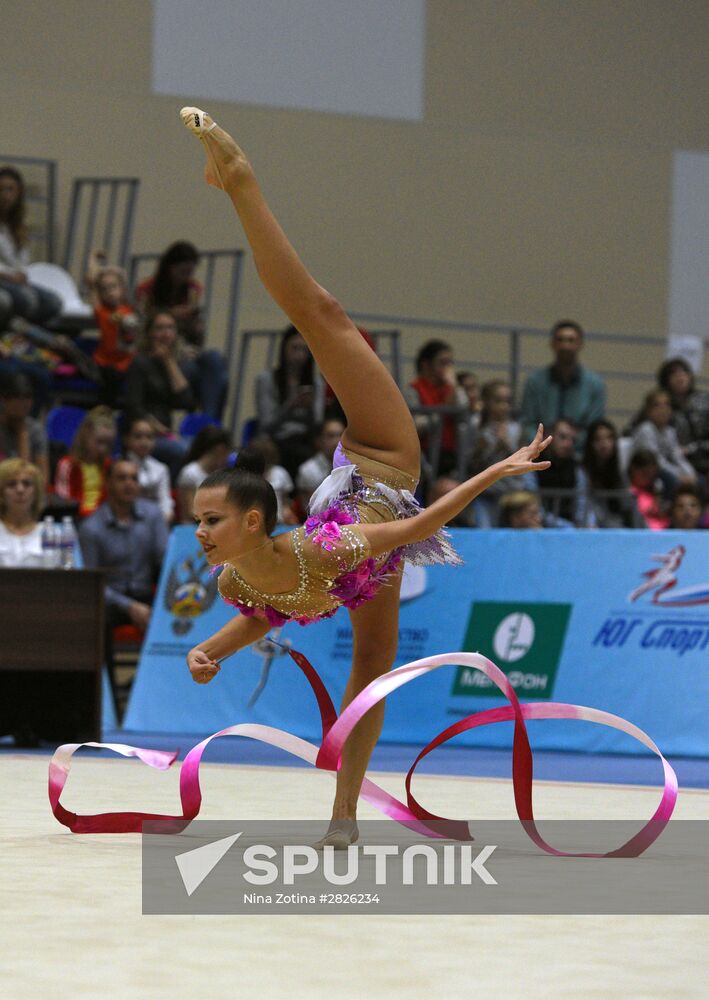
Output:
(336, 730)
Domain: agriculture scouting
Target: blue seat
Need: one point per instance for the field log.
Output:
(193, 423)
(63, 423)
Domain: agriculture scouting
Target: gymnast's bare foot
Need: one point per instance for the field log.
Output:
(227, 166)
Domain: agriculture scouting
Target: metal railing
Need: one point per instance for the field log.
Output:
(43, 194)
(106, 222)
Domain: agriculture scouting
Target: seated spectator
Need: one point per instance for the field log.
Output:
(655, 433)
(563, 389)
(612, 505)
(468, 382)
(173, 289)
(81, 475)
(277, 476)
(126, 537)
(686, 512)
(118, 324)
(209, 452)
(316, 469)
(446, 484)
(21, 499)
(521, 509)
(156, 386)
(153, 476)
(498, 437)
(567, 502)
(690, 412)
(651, 487)
(436, 385)
(17, 296)
(290, 401)
(21, 436)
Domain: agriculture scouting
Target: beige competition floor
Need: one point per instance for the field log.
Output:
(72, 925)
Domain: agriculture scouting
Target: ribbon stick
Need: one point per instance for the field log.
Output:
(335, 732)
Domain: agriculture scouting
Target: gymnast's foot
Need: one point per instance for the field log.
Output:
(340, 835)
(227, 165)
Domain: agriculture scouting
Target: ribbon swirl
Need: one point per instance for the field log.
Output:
(335, 731)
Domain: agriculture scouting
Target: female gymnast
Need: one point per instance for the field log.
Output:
(363, 519)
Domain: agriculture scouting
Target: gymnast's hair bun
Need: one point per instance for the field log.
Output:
(250, 460)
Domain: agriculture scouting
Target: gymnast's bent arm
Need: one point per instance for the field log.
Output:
(239, 632)
(392, 534)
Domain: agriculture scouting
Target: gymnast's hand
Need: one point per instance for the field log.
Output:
(201, 667)
(524, 460)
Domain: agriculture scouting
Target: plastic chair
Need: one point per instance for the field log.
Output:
(193, 423)
(63, 423)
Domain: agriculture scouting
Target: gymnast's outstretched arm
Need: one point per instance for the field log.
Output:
(392, 534)
(235, 635)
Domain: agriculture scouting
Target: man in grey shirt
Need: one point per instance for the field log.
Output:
(127, 538)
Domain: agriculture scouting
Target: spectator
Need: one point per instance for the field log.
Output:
(277, 476)
(567, 501)
(290, 401)
(690, 412)
(686, 512)
(118, 324)
(173, 289)
(436, 385)
(565, 388)
(651, 487)
(468, 382)
(21, 436)
(521, 509)
(153, 476)
(156, 386)
(655, 433)
(209, 451)
(126, 537)
(446, 484)
(612, 505)
(81, 475)
(316, 469)
(21, 501)
(17, 296)
(498, 437)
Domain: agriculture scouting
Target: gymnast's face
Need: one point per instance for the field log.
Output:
(225, 532)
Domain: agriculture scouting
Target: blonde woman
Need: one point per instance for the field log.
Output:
(81, 475)
(21, 500)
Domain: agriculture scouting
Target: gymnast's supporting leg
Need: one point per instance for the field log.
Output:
(379, 424)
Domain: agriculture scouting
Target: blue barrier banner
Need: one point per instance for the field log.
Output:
(616, 620)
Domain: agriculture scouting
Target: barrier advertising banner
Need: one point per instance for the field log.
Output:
(616, 620)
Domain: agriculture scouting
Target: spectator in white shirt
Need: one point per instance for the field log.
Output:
(655, 433)
(153, 476)
(21, 499)
(316, 469)
(209, 452)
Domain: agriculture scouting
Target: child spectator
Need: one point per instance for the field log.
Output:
(651, 487)
(655, 433)
(21, 436)
(21, 499)
(290, 401)
(612, 505)
(81, 475)
(498, 437)
(278, 476)
(209, 451)
(118, 324)
(174, 289)
(316, 469)
(520, 509)
(686, 512)
(153, 476)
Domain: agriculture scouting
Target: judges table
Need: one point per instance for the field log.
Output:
(51, 654)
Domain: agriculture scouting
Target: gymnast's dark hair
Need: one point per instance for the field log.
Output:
(246, 486)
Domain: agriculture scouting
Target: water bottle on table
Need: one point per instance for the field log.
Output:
(67, 543)
(50, 543)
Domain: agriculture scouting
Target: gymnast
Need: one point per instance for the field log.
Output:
(363, 520)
